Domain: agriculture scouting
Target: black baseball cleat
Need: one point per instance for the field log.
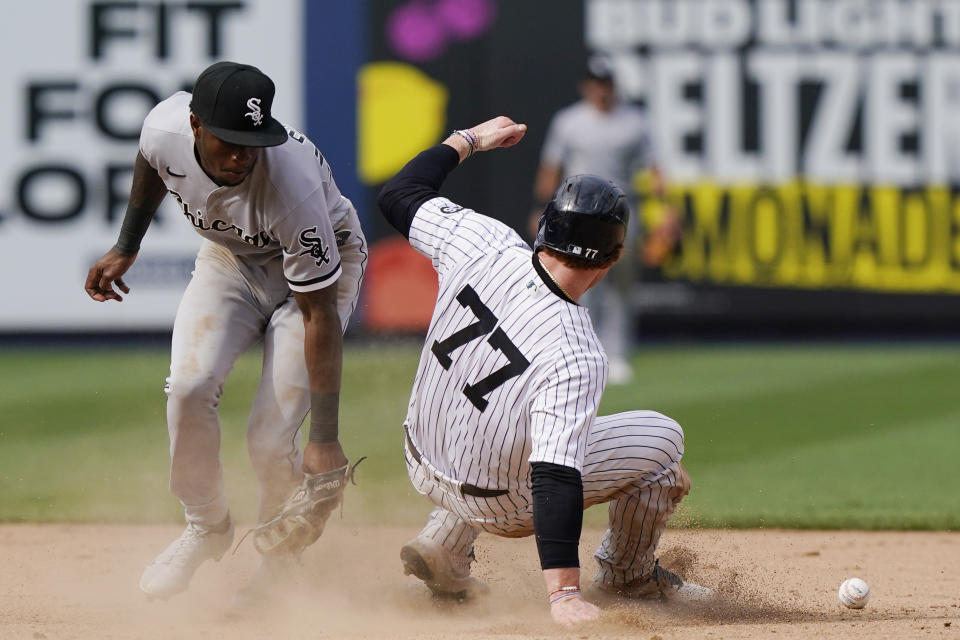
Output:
(429, 561)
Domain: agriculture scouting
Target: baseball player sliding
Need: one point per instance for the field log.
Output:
(502, 432)
(282, 260)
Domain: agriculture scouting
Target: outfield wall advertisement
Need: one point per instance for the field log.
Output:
(74, 89)
(811, 146)
(811, 143)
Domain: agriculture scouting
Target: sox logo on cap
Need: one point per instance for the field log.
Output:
(254, 114)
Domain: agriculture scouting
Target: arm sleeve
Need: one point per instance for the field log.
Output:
(437, 228)
(146, 194)
(418, 181)
(557, 514)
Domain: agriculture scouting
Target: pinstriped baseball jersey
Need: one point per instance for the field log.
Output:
(510, 373)
(289, 205)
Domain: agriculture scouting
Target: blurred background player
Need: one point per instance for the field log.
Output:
(603, 135)
(282, 262)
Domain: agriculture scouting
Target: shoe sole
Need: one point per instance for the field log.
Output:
(414, 564)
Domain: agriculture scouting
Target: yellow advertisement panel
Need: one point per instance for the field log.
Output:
(882, 238)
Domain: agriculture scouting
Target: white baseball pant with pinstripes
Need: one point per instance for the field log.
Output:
(632, 462)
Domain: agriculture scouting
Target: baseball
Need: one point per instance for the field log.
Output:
(854, 593)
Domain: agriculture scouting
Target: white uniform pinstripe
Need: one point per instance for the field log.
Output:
(285, 228)
(513, 374)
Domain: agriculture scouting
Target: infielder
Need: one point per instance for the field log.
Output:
(502, 432)
(282, 260)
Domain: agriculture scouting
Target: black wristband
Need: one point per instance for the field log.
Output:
(324, 409)
(134, 227)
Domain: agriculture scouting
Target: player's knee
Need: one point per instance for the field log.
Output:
(674, 433)
(193, 393)
(681, 483)
(677, 475)
(685, 481)
(665, 436)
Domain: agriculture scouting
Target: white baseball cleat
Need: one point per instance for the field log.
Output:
(693, 592)
(429, 561)
(171, 571)
(664, 585)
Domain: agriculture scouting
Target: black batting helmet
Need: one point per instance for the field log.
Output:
(587, 219)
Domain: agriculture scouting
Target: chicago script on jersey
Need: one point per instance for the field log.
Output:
(260, 239)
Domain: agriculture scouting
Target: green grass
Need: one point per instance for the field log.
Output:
(809, 436)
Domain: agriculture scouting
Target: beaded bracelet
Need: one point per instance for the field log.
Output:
(471, 139)
(568, 594)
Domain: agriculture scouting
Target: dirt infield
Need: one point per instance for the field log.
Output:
(80, 582)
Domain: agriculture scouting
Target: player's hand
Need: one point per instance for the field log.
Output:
(574, 610)
(500, 132)
(318, 458)
(106, 272)
(661, 241)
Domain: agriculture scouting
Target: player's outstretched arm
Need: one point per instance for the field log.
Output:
(557, 523)
(497, 133)
(420, 179)
(323, 350)
(146, 194)
(304, 514)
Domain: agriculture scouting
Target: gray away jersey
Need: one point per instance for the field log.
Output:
(510, 373)
(289, 205)
(581, 139)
